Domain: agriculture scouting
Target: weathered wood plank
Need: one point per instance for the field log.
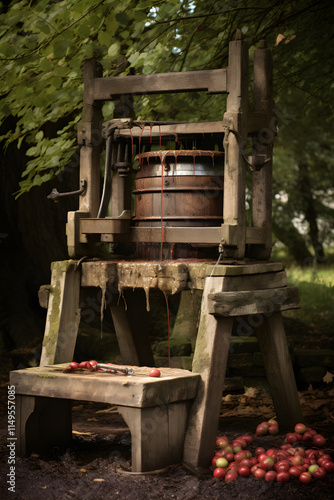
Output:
(210, 360)
(242, 303)
(214, 81)
(124, 335)
(90, 153)
(254, 267)
(236, 114)
(218, 127)
(157, 435)
(279, 371)
(139, 390)
(76, 241)
(130, 322)
(263, 148)
(63, 315)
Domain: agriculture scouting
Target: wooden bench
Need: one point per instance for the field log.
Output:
(155, 409)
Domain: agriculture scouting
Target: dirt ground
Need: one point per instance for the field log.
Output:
(97, 464)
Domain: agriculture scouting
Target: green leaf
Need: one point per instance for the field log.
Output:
(7, 50)
(123, 18)
(114, 50)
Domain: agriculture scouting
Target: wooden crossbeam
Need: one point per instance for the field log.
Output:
(213, 81)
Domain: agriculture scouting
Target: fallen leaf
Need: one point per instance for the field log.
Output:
(92, 419)
(98, 480)
(251, 392)
(328, 378)
(83, 470)
(82, 433)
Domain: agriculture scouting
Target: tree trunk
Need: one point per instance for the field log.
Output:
(294, 241)
(310, 212)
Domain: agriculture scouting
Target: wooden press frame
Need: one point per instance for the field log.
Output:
(239, 122)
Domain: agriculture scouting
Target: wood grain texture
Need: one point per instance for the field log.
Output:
(263, 147)
(235, 174)
(243, 303)
(210, 360)
(279, 371)
(213, 81)
(139, 390)
(63, 315)
(157, 435)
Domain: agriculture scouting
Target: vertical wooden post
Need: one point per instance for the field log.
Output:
(90, 151)
(235, 142)
(279, 370)
(263, 149)
(211, 351)
(121, 187)
(131, 329)
(90, 140)
(63, 316)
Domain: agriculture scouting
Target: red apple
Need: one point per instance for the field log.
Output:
(73, 366)
(262, 429)
(305, 477)
(248, 439)
(300, 428)
(319, 473)
(328, 466)
(319, 440)
(271, 475)
(307, 436)
(231, 476)
(281, 467)
(240, 441)
(219, 473)
(259, 450)
(273, 430)
(297, 460)
(221, 442)
(155, 372)
(246, 463)
(295, 471)
(291, 438)
(267, 463)
(282, 477)
(259, 473)
(229, 456)
(244, 471)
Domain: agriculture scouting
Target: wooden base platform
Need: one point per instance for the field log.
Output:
(155, 409)
(233, 292)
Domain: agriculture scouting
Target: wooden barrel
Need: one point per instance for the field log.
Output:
(187, 185)
(179, 188)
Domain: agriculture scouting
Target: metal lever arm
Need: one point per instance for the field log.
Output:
(55, 195)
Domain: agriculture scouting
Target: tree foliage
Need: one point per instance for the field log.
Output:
(43, 44)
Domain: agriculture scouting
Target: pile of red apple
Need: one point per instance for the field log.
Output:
(276, 464)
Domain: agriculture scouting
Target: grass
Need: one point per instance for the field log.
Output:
(316, 287)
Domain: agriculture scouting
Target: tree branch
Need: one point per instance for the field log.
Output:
(42, 45)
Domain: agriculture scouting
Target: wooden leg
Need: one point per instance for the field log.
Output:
(129, 318)
(157, 435)
(210, 360)
(279, 371)
(42, 423)
(63, 316)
